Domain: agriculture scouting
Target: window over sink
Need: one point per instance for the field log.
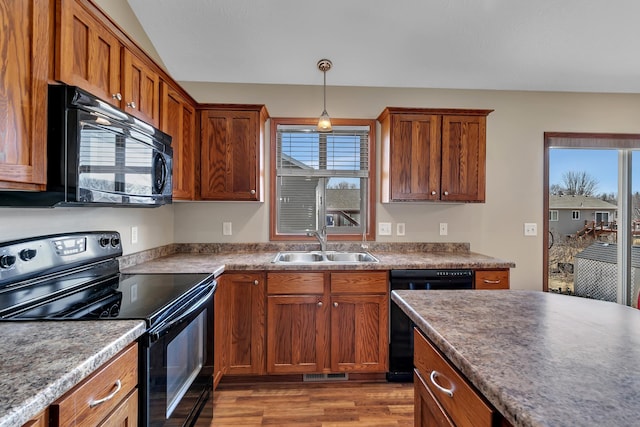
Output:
(322, 179)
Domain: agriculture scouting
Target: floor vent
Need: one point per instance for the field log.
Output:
(325, 377)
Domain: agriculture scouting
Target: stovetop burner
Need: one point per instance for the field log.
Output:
(76, 276)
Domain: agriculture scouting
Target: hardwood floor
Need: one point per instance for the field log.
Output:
(314, 405)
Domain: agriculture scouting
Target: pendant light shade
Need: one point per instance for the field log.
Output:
(324, 123)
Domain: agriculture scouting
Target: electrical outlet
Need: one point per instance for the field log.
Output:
(444, 229)
(384, 228)
(530, 229)
(134, 235)
(400, 229)
(226, 229)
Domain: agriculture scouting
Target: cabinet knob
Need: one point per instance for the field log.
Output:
(335, 304)
(319, 303)
(252, 191)
(446, 193)
(117, 96)
(256, 282)
(433, 193)
(131, 104)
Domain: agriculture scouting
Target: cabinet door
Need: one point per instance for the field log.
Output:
(463, 158)
(415, 157)
(297, 334)
(26, 47)
(230, 147)
(178, 119)
(126, 414)
(244, 308)
(427, 411)
(359, 333)
(141, 89)
(87, 54)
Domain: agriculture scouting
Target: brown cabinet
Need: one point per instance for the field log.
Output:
(87, 53)
(433, 154)
(108, 397)
(442, 395)
(492, 279)
(231, 152)
(359, 322)
(327, 322)
(240, 324)
(179, 120)
(26, 47)
(297, 323)
(90, 55)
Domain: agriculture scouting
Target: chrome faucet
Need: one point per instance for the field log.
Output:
(321, 235)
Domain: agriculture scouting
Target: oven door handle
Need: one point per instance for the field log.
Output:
(162, 329)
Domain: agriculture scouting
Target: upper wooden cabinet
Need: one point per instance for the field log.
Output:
(26, 47)
(433, 155)
(231, 152)
(179, 120)
(91, 56)
(87, 53)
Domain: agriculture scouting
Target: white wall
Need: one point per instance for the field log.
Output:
(514, 167)
(514, 163)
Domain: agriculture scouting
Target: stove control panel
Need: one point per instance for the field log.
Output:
(22, 259)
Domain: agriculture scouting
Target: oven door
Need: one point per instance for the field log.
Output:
(178, 366)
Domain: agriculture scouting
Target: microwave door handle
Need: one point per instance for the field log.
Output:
(162, 329)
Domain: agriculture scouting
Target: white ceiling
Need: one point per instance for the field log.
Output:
(548, 45)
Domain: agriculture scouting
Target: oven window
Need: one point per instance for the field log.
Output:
(185, 357)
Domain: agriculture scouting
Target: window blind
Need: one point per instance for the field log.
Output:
(306, 152)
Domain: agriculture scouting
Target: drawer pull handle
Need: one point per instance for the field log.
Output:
(492, 282)
(447, 391)
(95, 403)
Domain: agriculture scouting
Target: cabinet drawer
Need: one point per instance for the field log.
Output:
(359, 282)
(427, 409)
(74, 408)
(295, 283)
(464, 406)
(492, 279)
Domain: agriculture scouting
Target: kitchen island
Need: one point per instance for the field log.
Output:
(43, 360)
(540, 359)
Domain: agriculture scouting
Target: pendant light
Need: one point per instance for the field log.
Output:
(324, 123)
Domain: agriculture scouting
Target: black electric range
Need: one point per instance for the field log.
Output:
(75, 276)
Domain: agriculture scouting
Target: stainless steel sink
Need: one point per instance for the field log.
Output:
(350, 257)
(329, 257)
(298, 257)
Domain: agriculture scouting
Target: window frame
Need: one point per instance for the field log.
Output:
(575, 215)
(371, 193)
(554, 213)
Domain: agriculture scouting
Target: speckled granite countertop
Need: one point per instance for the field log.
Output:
(210, 258)
(40, 361)
(541, 359)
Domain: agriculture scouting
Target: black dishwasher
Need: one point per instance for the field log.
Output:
(401, 327)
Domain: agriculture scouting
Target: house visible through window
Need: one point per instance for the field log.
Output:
(322, 179)
(575, 214)
(553, 215)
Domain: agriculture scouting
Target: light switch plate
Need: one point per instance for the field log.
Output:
(384, 228)
(227, 229)
(444, 228)
(530, 229)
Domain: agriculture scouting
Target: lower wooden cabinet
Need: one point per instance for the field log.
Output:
(442, 396)
(492, 279)
(108, 397)
(240, 324)
(327, 322)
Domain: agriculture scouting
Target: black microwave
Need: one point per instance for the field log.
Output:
(98, 155)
